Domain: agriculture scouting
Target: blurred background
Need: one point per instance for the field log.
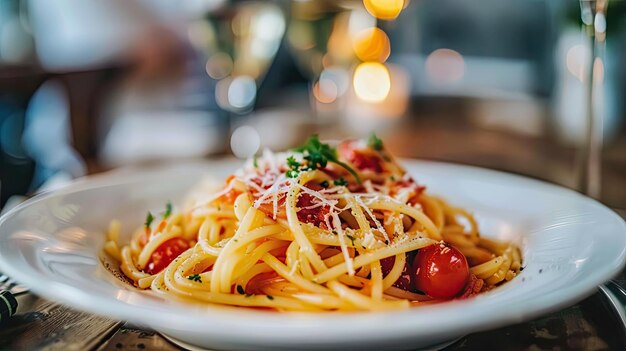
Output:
(87, 86)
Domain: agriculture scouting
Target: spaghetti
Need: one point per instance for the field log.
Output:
(321, 228)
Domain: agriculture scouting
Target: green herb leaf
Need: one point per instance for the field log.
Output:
(292, 163)
(392, 178)
(374, 142)
(255, 162)
(341, 182)
(294, 166)
(149, 219)
(270, 297)
(240, 290)
(195, 278)
(324, 184)
(318, 154)
(168, 210)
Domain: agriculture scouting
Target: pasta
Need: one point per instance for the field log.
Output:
(318, 229)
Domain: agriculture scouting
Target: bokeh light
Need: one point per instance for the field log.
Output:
(325, 91)
(245, 141)
(371, 44)
(371, 82)
(576, 60)
(219, 65)
(384, 9)
(242, 92)
(445, 66)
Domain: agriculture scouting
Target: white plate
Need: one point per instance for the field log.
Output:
(570, 244)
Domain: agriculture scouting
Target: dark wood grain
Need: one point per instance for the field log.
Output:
(43, 325)
(134, 338)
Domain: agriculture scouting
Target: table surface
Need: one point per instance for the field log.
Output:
(46, 325)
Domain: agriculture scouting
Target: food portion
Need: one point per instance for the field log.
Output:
(324, 227)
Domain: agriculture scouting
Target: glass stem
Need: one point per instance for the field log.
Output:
(590, 180)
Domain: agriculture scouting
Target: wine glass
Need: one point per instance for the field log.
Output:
(593, 16)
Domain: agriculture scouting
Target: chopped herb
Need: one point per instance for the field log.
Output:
(240, 290)
(392, 178)
(324, 184)
(292, 163)
(235, 240)
(335, 232)
(295, 167)
(168, 210)
(255, 162)
(270, 297)
(318, 154)
(149, 219)
(195, 277)
(341, 182)
(374, 142)
(351, 239)
(387, 242)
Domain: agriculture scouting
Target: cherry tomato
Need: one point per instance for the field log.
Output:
(165, 254)
(440, 271)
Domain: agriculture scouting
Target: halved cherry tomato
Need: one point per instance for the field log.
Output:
(440, 271)
(165, 254)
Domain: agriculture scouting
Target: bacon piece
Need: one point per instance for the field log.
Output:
(315, 215)
(473, 287)
(361, 158)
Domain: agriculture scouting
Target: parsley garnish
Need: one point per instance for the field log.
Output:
(324, 184)
(351, 239)
(341, 182)
(149, 219)
(374, 142)
(294, 166)
(270, 297)
(168, 210)
(255, 162)
(392, 178)
(318, 154)
(195, 278)
(240, 290)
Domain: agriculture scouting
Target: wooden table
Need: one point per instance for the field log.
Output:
(45, 325)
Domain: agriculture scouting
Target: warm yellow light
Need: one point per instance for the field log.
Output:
(371, 81)
(384, 9)
(598, 71)
(445, 66)
(371, 44)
